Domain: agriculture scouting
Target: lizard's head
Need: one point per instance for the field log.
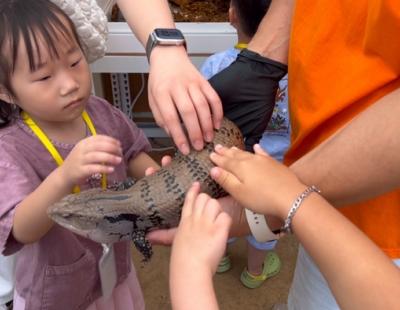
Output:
(85, 215)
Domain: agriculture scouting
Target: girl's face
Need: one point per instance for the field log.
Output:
(58, 90)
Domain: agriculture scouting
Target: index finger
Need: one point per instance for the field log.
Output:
(190, 200)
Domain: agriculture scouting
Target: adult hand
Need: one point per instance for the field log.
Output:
(177, 91)
(93, 155)
(202, 232)
(247, 89)
(256, 181)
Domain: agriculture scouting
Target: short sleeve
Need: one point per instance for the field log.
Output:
(218, 62)
(17, 180)
(133, 139)
(113, 122)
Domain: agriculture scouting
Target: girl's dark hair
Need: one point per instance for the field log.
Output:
(250, 14)
(28, 20)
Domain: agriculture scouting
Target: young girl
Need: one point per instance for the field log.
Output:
(48, 149)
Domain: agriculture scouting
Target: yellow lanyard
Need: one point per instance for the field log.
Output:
(50, 147)
(241, 46)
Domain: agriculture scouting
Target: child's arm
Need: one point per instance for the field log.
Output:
(96, 154)
(198, 246)
(138, 165)
(264, 185)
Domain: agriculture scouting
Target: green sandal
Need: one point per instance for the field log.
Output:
(224, 265)
(272, 265)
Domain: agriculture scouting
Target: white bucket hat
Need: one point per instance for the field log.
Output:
(91, 24)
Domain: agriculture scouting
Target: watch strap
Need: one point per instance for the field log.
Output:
(259, 227)
(151, 42)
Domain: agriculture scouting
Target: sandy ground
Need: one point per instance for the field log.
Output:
(230, 292)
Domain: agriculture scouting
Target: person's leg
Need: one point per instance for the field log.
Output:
(225, 263)
(255, 259)
(7, 272)
(262, 263)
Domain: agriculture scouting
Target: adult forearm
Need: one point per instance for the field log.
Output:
(272, 37)
(362, 160)
(144, 16)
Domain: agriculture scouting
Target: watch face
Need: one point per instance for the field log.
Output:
(169, 34)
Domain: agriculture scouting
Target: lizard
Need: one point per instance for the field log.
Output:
(153, 202)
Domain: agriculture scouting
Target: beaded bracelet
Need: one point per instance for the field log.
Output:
(287, 227)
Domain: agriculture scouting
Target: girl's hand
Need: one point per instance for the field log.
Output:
(256, 181)
(178, 91)
(165, 161)
(202, 234)
(239, 226)
(95, 154)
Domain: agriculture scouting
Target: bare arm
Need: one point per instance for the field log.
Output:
(144, 16)
(138, 165)
(202, 232)
(30, 220)
(265, 186)
(324, 233)
(96, 154)
(272, 37)
(176, 89)
(361, 160)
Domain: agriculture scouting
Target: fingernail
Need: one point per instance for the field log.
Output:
(214, 172)
(184, 149)
(218, 147)
(209, 137)
(198, 145)
(118, 159)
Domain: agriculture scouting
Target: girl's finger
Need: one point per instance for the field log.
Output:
(225, 179)
(166, 160)
(212, 209)
(224, 160)
(200, 203)
(102, 158)
(224, 220)
(97, 168)
(259, 150)
(190, 200)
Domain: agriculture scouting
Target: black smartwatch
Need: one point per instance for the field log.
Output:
(166, 37)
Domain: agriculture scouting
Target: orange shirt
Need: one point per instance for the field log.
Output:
(345, 55)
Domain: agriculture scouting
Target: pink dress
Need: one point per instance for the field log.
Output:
(60, 271)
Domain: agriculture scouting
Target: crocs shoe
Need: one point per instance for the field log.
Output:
(272, 265)
(224, 265)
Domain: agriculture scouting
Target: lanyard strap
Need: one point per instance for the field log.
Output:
(241, 46)
(50, 147)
